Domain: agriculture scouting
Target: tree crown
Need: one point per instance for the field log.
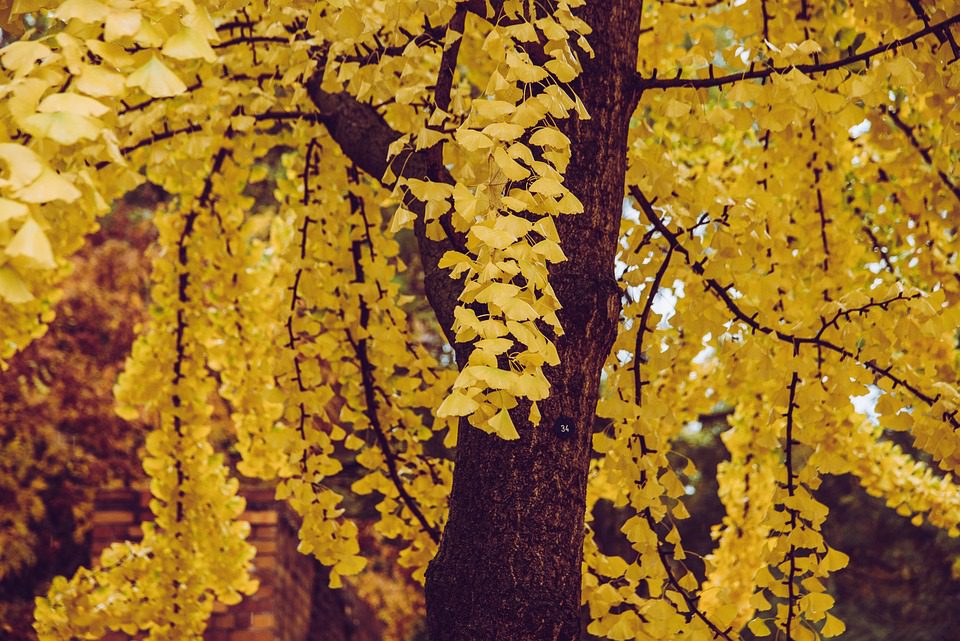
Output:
(789, 216)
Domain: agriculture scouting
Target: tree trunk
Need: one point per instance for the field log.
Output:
(508, 567)
(509, 562)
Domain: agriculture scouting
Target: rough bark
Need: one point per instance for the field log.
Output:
(509, 560)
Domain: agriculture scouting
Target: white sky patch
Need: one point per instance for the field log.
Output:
(692, 427)
(704, 355)
(630, 212)
(666, 299)
(665, 303)
(866, 404)
(859, 129)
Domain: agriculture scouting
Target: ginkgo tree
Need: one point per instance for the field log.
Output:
(787, 170)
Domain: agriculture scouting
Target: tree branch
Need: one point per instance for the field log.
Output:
(365, 137)
(643, 84)
(157, 137)
(943, 36)
(240, 40)
(360, 130)
(791, 577)
(638, 382)
(910, 133)
(693, 608)
(367, 376)
(766, 17)
(878, 248)
(817, 340)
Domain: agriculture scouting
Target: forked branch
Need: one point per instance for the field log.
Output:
(817, 340)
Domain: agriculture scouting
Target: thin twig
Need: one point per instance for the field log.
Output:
(369, 384)
(638, 383)
(910, 133)
(791, 490)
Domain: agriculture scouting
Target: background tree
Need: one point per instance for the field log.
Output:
(59, 435)
(781, 187)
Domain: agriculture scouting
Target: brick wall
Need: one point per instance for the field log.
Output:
(292, 593)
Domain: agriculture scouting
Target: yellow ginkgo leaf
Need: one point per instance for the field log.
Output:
(429, 191)
(351, 565)
(32, 245)
(188, 44)
(48, 187)
(833, 627)
(230, 598)
(534, 416)
(72, 103)
(834, 560)
(110, 52)
(503, 131)
(725, 614)
(348, 23)
(23, 165)
(830, 102)
(547, 187)
(199, 20)
(517, 309)
(62, 127)
(94, 80)
(12, 288)
(472, 140)
(457, 404)
(402, 219)
(549, 137)
(25, 94)
(552, 29)
(550, 250)
(82, 10)
(561, 69)
(625, 627)
(496, 238)
(546, 228)
(451, 258)
(493, 109)
(533, 386)
(428, 137)
(759, 628)
(150, 35)
(120, 24)
(498, 293)
(502, 425)
(676, 108)
(816, 602)
(524, 71)
(523, 32)
(20, 56)
(10, 209)
(156, 80)
(569, 204)
(510, 167)
(490, 376)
